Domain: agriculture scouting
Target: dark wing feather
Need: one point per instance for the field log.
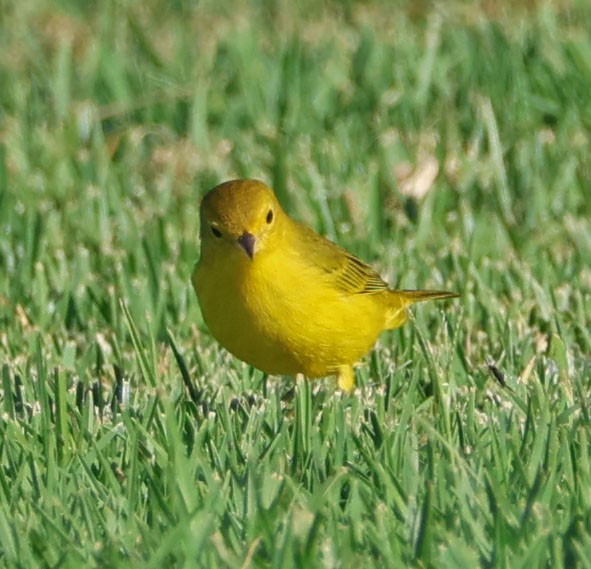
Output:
(349, 274)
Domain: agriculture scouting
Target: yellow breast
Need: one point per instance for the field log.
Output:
(276, 313)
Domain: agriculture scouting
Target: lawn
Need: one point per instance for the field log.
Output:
(446, 143)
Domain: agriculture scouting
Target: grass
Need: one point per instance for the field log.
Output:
(446, 145)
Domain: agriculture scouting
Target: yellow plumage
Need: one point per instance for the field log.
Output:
(281, 297)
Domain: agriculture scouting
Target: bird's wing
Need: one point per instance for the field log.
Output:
(343, 270)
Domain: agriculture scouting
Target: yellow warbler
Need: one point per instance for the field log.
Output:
(281, 297)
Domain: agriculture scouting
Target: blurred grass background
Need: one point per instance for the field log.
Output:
(446, 143)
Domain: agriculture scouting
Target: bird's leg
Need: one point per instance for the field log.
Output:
(346, 378)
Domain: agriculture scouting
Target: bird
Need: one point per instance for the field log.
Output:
(281, 297)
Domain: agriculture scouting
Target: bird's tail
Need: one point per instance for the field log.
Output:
(400, 300)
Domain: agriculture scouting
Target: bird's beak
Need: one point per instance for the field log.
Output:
(247, 242)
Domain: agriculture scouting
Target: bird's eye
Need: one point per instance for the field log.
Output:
(216, 231)
(270, 216)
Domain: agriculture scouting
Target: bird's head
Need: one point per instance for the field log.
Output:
(239, 216)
